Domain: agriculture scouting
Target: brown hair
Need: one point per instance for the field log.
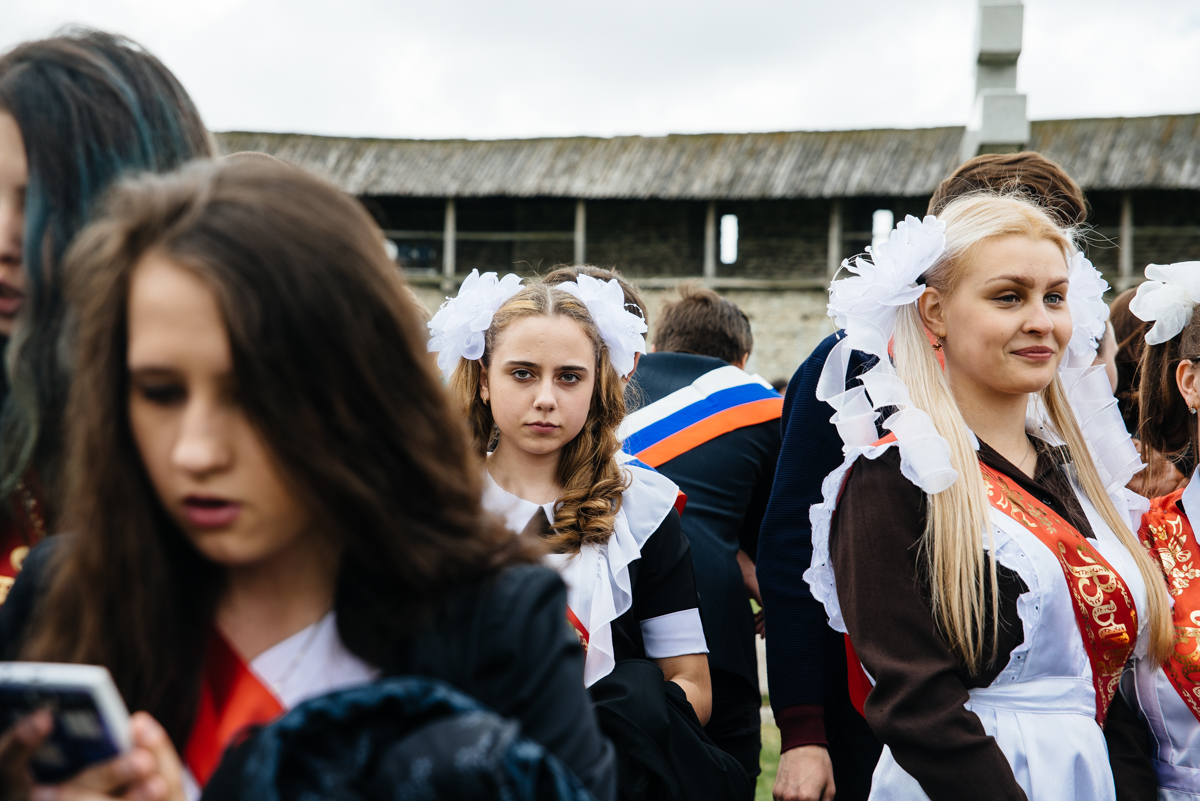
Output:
(587, 467)
(562, 273)
(701, 321)
(1027, 172)
(330, 366)
(1165, 424)
(1130, 333)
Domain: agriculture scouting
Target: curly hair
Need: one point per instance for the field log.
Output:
(592, 480)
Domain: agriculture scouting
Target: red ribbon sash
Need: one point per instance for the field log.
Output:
(1104, 610)
(1169, 538)
(580, 630)
(232, 698)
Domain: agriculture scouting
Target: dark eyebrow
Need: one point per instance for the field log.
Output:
(152, 371)
(1022, 280)
(564, 368)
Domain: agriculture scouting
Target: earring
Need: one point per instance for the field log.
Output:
(1191, 409)
(937, 345)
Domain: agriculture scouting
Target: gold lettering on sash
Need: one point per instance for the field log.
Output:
(1169, 538)
(1105, 612)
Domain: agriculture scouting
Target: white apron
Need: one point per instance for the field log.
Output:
(1041, 708)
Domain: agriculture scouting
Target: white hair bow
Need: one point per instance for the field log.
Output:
(621, 329)
(458, 329)
(865, 306)
(1167, 299)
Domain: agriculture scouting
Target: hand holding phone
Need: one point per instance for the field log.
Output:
(90, 724)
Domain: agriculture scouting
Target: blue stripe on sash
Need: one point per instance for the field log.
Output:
(717, 402)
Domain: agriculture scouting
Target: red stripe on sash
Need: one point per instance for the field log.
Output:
(1168, 536)
(857, 681)
(1104, 609)
(680, 501)
(232, 698)
(702, 431)
(580, 630)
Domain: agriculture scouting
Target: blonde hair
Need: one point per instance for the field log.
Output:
(951, 547)
(592, 480)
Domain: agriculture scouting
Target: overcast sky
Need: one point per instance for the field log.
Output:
(486, 69)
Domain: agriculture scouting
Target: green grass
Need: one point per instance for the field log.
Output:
(768, 759)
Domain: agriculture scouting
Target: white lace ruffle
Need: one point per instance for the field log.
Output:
(599, 587)
(820, 578)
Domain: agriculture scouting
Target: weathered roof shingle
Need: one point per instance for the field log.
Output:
(1119, 153)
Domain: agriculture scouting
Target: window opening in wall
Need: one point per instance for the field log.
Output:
(729, 238)
(881, 227)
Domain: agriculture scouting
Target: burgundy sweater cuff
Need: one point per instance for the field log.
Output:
(802, 724)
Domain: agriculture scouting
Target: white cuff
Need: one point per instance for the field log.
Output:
(675, 634)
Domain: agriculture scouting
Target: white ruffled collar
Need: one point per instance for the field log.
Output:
(599, 587)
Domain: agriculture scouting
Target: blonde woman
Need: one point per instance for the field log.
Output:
(989, 583)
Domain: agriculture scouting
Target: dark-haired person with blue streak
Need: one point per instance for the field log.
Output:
(77, 111)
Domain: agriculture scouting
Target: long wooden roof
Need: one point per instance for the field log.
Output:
(1118, 153)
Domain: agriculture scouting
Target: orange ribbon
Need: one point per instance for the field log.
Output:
(232, 699)
(1169, 538)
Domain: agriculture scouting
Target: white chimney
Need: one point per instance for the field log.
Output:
(998, 121)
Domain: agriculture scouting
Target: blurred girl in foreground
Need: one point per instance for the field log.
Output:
(77, 111)
(266, 478)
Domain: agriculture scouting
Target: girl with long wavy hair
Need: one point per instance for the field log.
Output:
(542, 387)
(981, 557)
(271, 496)
(1167, 696)
(77, 111)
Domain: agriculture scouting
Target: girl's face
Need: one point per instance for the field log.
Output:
(540, 382)
(1006, 326)
(212, 470)
(14, 176)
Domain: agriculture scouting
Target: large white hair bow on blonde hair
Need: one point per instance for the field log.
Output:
(459, 328)
(1167, 299)
(865, 307)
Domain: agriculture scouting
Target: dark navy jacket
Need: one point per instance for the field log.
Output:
(727, 481)
(800, 643)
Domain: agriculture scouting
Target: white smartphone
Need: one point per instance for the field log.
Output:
(91, 723)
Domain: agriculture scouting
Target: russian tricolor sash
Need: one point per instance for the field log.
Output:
(232, 699)
(716, 403)
(1168, 535)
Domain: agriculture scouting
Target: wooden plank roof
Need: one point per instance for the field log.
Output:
(1117, 153)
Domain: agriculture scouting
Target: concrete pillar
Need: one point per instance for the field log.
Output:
(710, 240)
(448, 236)
(580, 232)
(998, 123)
(1125, 277)
(834, 260)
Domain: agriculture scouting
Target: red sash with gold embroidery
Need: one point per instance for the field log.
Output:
(1104, 609)
(1168, 535)
(232, 699)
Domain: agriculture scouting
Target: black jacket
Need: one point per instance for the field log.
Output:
(503, 641)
